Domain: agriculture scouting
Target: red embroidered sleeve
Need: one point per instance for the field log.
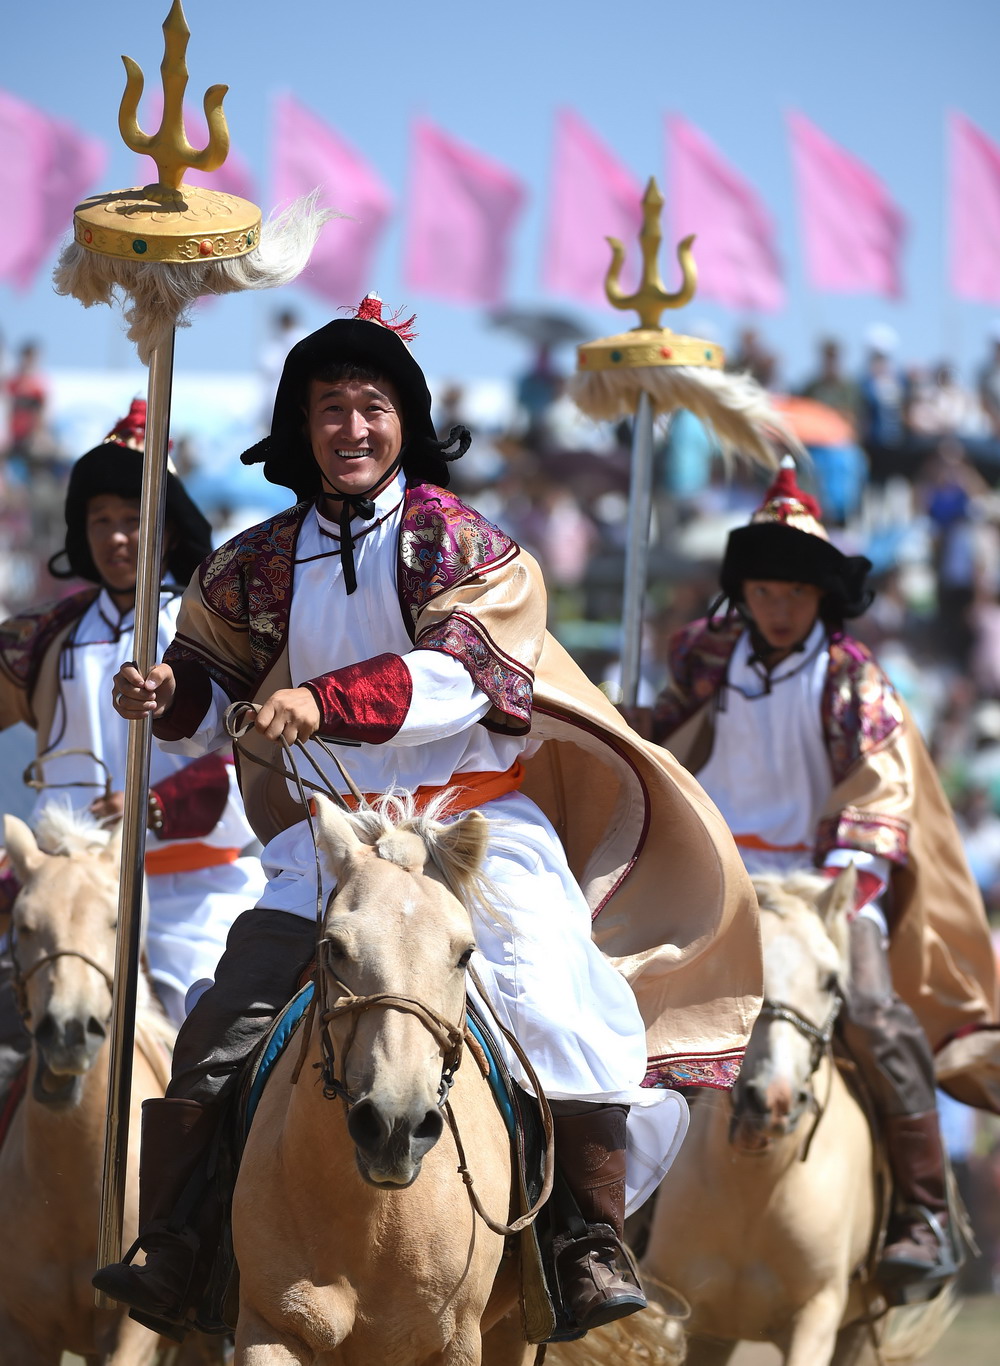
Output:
(366, 701)
(193, 799)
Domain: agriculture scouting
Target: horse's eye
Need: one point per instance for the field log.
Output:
(336, 949)
(465, 959)
(831, 984)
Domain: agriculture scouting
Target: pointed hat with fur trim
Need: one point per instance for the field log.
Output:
(787, 541)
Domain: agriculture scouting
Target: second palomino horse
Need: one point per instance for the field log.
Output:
(52, 1157)
(354, 1233)
(766, 1221)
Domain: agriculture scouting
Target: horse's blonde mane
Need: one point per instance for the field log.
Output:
(62, 829)
(785, 893)
(397, 811)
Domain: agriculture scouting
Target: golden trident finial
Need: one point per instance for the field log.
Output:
(651, 298)
(169, 146)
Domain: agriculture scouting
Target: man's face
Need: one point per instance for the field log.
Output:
(113, 538)
(784, 613)
(355, 431)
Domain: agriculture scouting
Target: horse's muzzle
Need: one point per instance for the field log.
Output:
(69, 1048)
(391, 1146)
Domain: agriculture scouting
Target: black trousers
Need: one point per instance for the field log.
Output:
(884, 1036)
(266, 955)
(15, 1041)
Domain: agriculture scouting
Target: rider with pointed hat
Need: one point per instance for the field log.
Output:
(57, 663)
(804, 745)
(383, 609)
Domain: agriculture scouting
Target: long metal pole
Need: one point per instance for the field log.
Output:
(640, 506)
(129, 936)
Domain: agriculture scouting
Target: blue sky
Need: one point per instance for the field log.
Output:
(877, 75)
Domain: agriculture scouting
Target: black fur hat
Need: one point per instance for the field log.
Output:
(786, 541)
(369, 342)
(115, 466)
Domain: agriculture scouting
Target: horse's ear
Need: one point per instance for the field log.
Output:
(22, 847)
(464, 842)
(835, 903)
(338, 839)
(112, 851)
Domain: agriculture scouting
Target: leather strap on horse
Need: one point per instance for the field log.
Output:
(21, 979)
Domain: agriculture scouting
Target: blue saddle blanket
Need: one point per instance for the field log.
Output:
(291, 1017)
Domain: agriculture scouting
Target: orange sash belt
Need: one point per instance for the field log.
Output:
(468, 790)
(755, 842)
(188, 857)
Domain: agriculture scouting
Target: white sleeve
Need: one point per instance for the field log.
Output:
(445, 700)
(864, 862)
(211, 733)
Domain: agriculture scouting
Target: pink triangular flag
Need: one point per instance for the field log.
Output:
(853, 231)
(463, 208)
(307, 154)
(737, 258)
(46, 168)
(975, 212)
(233, 176)
(593, 197)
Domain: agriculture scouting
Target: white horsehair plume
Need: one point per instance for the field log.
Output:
(157, 297)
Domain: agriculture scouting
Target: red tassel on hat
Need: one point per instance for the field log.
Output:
(131, 430)
(786, 487)
(370, 310)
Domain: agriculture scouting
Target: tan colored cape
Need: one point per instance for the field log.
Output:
(674, 907)
(941, 954)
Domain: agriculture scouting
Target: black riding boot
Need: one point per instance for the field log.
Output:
(893, 1055)
(176, 1136)
(597, 1277)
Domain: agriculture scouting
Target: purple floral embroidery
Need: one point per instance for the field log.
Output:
(699, 657)
(442, 543)
(248, 583)
(24, 638)
(507, 686)
(860, 708)
(679, 1071)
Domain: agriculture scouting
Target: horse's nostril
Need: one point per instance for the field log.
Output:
(95, 1028)
(429, 1128)
(366, 1126)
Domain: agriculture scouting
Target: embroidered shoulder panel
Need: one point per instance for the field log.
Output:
(698, 659)
(509, 686)
(25, 638)
(860, 708)
(248, 582)
(679, 1071)
(442, 542)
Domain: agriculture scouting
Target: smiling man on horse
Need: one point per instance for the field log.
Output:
(381, 609)
(801, 740)
(56, 667)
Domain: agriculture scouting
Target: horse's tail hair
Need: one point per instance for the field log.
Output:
(912, 1330)
(653, 1337)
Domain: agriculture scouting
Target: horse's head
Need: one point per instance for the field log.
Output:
(398, 926)
(64, 934)
(804, 932)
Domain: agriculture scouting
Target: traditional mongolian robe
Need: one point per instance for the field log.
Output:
(56, 669)
(441, 666)
(821, 763)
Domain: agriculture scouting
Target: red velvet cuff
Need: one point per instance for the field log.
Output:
(366, 701)
(193, 799)
(192, 699)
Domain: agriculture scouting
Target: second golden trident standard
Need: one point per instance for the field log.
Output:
(157, 248)
(651, 371)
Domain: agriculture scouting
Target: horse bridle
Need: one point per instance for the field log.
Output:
(21, 979)
(819, 1037)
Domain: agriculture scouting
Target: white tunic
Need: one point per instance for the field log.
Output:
(769, 770)
(189, 912)
(570, 1009)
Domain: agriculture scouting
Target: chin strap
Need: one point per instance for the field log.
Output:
(355, 505)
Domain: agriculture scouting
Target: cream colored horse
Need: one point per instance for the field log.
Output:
(51, 1161)
(766, 1220)
(355, 1237)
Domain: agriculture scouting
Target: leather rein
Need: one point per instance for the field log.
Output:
(450, 1038)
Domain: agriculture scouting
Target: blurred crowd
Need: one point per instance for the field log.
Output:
(905, 460)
